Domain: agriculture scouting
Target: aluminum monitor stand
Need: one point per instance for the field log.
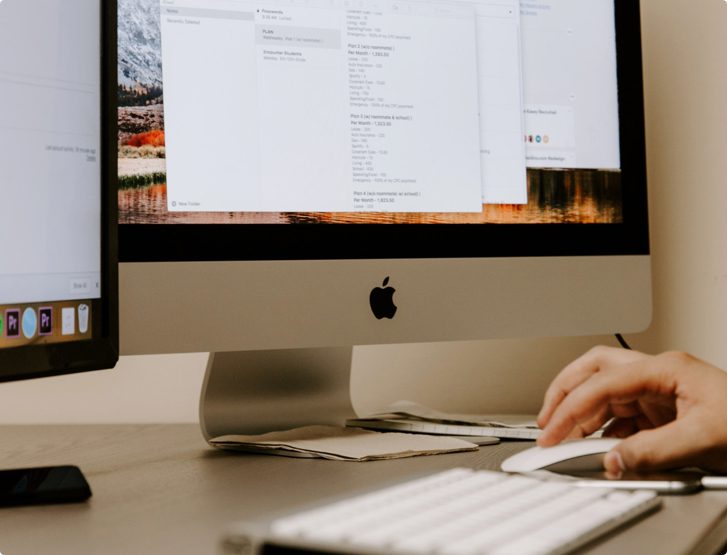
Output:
(252, 392)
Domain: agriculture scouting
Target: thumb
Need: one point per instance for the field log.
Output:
(668, 446)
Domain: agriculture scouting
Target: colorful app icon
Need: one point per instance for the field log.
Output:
(2, 327)
(68, 321)
(46, 320)
(12, 322)
(538, 139)
(30, 323)
(83, 314)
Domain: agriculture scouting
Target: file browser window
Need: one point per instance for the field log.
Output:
(334, 106)
(49, 152)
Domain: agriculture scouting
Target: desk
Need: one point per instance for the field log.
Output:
(159, 489)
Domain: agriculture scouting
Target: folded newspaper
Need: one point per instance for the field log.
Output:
(342, 444)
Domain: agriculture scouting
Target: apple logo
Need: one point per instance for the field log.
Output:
(382, 301)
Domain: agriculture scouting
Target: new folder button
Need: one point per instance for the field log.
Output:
(80, 286)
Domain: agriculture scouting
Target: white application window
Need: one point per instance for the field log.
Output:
(570, 84)
(330, 105)
(49, 150)
(504, 179)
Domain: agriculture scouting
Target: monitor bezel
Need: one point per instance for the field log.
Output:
(102, 351)
(247, 242)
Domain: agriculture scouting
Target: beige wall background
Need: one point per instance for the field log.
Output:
(685, 55)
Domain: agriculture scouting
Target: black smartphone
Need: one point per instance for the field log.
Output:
(39, 486)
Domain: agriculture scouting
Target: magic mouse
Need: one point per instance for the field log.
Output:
(569, 456)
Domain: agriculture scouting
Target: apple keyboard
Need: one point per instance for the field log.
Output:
(455, 512)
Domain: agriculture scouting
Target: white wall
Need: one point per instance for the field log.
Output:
(685, 43)
(686, 116)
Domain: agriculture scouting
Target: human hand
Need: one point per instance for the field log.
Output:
(671, 408)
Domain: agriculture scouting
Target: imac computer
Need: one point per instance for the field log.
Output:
(300, 176)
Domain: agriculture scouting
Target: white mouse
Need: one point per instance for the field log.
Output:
(569, 456)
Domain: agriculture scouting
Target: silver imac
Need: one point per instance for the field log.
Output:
(298, 177)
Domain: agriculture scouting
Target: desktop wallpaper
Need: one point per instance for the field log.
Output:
(581, 196)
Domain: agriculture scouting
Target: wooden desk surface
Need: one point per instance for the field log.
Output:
(160, 489)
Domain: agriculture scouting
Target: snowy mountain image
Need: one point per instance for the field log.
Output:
(140, 47)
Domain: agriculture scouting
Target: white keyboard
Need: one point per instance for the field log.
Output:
(459, 512)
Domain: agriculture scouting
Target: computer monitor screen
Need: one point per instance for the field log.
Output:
(352, 131)
(416, 112)
(58, 270)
